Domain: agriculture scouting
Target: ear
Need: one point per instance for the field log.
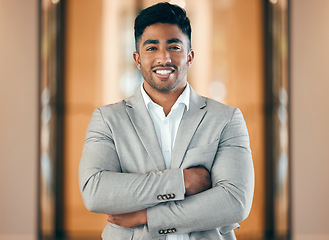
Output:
(137, 60)
(190, 57)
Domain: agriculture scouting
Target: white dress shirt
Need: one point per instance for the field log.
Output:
(166, 129)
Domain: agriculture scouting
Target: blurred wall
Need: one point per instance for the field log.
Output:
(18, 119)
(310, 118)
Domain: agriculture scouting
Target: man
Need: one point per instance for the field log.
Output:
(167, 163)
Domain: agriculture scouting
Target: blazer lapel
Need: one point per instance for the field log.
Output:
(144, 127)
(189, 123)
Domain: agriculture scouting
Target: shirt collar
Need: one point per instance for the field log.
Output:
(184, 98)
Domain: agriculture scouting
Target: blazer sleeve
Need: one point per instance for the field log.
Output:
(227, 202)
(103, 186)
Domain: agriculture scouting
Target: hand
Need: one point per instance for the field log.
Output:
(129, 220)
(197, 179)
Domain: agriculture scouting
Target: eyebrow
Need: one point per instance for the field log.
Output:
(150, 42)
(173, 40)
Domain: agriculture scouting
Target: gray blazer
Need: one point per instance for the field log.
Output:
(122, 170)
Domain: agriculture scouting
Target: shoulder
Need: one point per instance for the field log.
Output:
(213, 107)
(112, 110)
(113, 107)
(225, 114)
(218, 110)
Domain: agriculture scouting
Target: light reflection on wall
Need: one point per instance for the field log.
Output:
(120, 77)
(48, 121)
(283, 162)
(47, 165)
(280, 117)
(45, 138)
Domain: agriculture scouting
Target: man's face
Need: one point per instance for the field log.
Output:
(163, 57)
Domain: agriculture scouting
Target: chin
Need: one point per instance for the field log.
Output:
(164, 89)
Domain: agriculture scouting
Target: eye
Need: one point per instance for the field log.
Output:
(151, 48)
(175, 47)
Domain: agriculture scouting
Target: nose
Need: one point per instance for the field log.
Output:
(163, 57)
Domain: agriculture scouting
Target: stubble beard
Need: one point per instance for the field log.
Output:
(167, 87)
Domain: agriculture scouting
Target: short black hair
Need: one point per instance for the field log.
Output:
(163, 12)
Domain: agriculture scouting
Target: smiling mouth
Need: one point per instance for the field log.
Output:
(164, 72)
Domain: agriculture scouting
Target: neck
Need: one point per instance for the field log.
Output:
(165, 99)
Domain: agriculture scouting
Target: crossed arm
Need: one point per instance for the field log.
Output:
(196, 180)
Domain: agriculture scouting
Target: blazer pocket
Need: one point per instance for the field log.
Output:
(201, 156)
(115, 232)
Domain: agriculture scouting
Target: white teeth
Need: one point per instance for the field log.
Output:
(163, 72)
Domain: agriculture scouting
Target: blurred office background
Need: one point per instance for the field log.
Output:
(61, 59)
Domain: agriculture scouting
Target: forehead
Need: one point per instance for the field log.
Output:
(163, 32)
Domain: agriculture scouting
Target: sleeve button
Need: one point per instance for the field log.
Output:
(159, 197)
(173, 230)
(172, 195)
